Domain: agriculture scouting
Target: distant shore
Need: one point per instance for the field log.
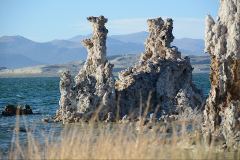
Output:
(199, 63)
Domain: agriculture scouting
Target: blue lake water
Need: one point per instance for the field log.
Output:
(42, 94)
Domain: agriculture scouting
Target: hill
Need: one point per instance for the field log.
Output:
(18, 51)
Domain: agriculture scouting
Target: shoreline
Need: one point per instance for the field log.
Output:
(57, 76)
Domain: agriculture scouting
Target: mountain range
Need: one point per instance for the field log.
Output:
(200, 64)
(18, 51)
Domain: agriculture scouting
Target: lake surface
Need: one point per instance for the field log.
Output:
(42, 94)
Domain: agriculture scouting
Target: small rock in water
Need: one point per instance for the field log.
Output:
(11, 110)
(47, 120)
(22, 129)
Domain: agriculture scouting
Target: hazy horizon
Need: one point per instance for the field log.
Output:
(43, 21)
(89, 34)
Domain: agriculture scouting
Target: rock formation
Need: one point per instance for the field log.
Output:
(162, 81)
(222, 38)
(93, 90)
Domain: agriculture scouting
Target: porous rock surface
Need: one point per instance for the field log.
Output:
(162, 81)
(222, 42)
(93, 88)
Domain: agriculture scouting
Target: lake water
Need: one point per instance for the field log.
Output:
(43, 95)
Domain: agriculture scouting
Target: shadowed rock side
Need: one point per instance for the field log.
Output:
(222, 42)
(162, 81)
(94, 85)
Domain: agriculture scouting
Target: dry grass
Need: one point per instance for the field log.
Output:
(119, 141)
(180, 139)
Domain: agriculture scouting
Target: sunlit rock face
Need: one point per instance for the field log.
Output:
(222, 42)
(162, 80)
(93, 90)
(160, 83)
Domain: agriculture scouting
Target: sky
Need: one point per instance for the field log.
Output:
(45, 20)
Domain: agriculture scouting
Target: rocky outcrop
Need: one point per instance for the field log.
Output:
(93, 90)
(162, 81)
(222, 110)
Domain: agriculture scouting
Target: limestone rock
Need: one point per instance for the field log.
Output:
(222, 42)
(67, 100)
(162, 81)
(93, 90)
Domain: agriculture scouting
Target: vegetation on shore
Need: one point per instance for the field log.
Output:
(125, 140)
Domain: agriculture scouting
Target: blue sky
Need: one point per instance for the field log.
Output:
(45, 20)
